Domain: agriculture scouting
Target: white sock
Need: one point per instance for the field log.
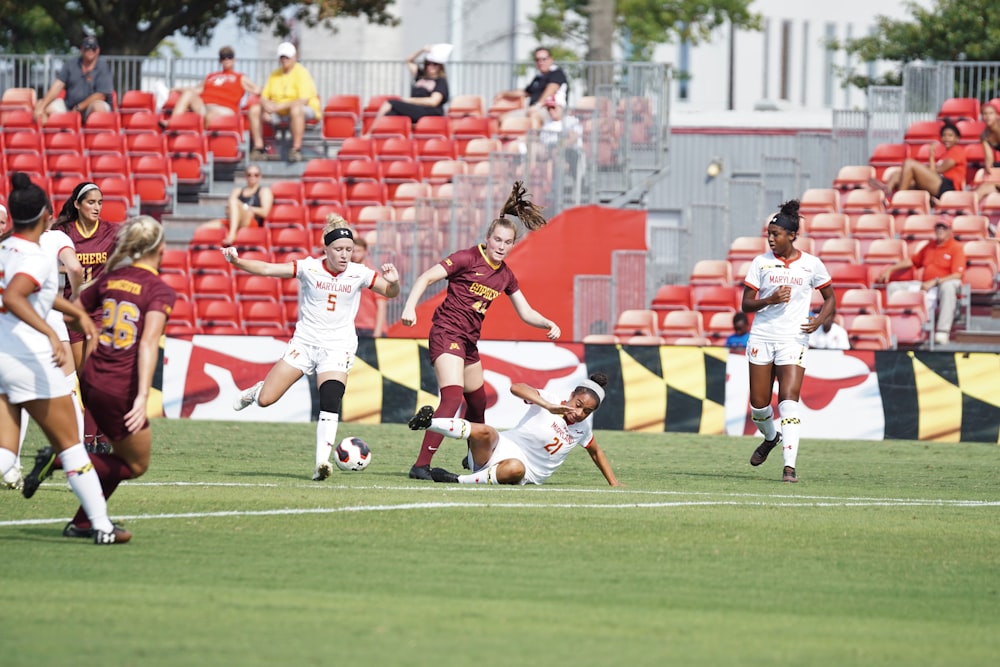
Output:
(86, 485)
(326, 435)
(8, 460)
(488, 476)
(791, 426)
(24, 431)
(451, 427)
(763, 418)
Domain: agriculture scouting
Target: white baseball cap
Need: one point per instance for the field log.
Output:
(286, 50)
(438, 53)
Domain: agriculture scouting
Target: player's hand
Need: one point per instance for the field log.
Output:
(390, 273)
(811, 324)
(554, 332)
(231, 254)
(409, 317)
(136, 417)
(559, 409)
(782, 295)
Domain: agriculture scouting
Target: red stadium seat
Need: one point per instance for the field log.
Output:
(341, 117)
(636, 322)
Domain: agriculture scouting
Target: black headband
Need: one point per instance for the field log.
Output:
(338, 233)
(785, 222)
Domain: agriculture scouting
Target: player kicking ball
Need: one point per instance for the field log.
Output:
(534, 449)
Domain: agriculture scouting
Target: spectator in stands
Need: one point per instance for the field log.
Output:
(549, 89)
(741, 332)
(943, 264)
(937, 176)
(288, 96)
(429, 92)
(87, 82)
(990, 138)
(829, 336)
(779, 287)
(370, 320)
(246, 205)
(220, 93)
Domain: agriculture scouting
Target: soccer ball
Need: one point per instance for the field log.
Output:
(352, 454)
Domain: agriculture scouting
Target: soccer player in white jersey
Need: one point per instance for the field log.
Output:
(534, 449)
(778, 288)
(325, 340)
(32, 354)
(56, 243)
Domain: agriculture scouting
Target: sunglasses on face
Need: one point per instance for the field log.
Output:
(226, 57)
(251, 174)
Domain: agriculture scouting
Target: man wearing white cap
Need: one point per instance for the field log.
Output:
(429, 92)
(289, 95)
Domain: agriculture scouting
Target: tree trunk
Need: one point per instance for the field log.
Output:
(600, 40)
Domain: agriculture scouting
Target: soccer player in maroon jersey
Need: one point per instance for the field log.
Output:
(117, 377)
(476, 276)
(94, 239)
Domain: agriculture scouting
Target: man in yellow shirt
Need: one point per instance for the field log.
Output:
(289, 95)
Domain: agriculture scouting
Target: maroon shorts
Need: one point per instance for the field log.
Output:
(108, 410)
(445, 342)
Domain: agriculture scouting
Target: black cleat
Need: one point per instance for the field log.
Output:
(442, 475)
(421, 420)
(421, 472)
(118, 535)
(44, 460)
(465, 462)
(760, 454)
(71, 530)
(788, 475)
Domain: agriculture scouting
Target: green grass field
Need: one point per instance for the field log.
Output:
(886, 553)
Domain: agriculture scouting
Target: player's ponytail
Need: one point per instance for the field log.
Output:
(137, 238)
(787, 216)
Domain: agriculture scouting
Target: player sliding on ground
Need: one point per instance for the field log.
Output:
(531, 451)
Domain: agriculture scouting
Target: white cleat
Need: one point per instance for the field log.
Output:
(323, 471)
(14, 479)
(247, 397)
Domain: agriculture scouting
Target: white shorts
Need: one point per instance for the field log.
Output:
(56, 320)
(311, 359)
(785, 353)
(30, 378)
(507, 449)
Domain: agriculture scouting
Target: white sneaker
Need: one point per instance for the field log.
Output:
(941, 338)
(247, 397)
(14, 479)
(323, 470)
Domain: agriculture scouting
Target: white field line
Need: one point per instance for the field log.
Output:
(762, 500)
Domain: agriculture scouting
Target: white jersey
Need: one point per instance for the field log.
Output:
(329, 302)
(20, 256)
(782, 322)
(546, 439)
(55, 241)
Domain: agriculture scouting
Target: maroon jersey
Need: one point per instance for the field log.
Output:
(473, 283)
(123, 297)
(93, 250)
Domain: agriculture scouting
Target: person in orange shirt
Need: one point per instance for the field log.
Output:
(938, 175)
(943, 264)
(220, 93)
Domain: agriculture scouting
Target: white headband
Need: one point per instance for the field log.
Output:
(85, 189)
(594, 387)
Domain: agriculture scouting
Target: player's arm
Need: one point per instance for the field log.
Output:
(149, 352)
(15, 301)
(257, 267)
(529, 394)
(751, 303)
(387, 282)
(826, 312)
(602, 463)
(532, 317)
(420, 285)
(74, 271)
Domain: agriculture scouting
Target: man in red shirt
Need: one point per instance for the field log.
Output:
(943, 264)
(220, 93)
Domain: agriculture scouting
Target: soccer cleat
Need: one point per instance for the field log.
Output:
(421, 420)
(421, 472)
(788, 475)
(465, 462)
(246, 398)
(760, 454)
(323, 471)
(44, 460)
(118, 535)
(442, 475)
(14, 479)
(72, 530)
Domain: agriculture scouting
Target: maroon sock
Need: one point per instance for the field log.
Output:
(475, 405)
(451, 402)
(112, 470)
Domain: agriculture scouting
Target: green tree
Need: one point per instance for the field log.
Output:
(638, 25)
(136, 27)
(948, 30)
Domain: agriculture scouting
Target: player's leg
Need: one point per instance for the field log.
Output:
(10, 426)
(761, 386)
(789, 387)
(332, 385)
(450, 372)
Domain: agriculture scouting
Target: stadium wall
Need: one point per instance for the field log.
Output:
(940, 396)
